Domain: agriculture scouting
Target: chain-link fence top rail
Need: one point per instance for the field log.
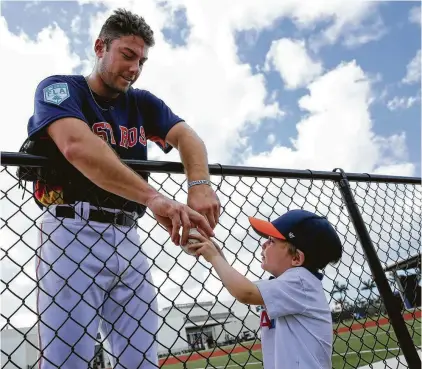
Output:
(198, 318)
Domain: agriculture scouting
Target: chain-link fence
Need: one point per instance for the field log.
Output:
(374, 292)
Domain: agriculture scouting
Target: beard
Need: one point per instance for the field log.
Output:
(110, 80)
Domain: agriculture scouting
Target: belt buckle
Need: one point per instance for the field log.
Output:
(116, 218)
(124, 219)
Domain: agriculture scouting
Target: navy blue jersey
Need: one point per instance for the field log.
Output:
(126, 123)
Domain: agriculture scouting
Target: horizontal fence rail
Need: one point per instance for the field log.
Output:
(19, 159)
(373, 292)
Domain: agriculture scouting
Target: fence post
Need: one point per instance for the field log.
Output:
(390, 302)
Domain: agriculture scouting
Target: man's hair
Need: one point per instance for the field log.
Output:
(125, 23)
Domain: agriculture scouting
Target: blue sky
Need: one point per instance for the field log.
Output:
(388, 57)
(383, 60)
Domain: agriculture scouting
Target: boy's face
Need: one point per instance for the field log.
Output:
(276, 258)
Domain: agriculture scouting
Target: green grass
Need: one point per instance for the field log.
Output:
(351, 350)
(359, 348)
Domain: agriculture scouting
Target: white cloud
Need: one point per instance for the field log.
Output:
(251, 15)
(403, 169)
(373, 32)
(337, 128)
(393, 149)
(24, 64)
(76, 24)
(349, 23)
(413, 70)
(402, 102)
(291, 60)
(415, 15)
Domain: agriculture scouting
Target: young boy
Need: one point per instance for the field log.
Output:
(296, 323)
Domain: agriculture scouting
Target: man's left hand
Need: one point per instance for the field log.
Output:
(203, 199)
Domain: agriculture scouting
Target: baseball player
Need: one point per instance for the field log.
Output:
(296, 322)
(91, 271)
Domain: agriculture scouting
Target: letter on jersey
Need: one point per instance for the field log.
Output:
(266, 321)
(124, 137)
(142, 137)
(133, 136)
(128, 137)
(99, 129)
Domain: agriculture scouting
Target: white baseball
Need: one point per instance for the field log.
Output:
(190, 241)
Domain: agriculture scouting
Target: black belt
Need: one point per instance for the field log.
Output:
(102, 216)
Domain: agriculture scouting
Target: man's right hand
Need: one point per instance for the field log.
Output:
(173, 215)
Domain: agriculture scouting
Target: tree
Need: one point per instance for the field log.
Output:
(361, 302)
(340, 289)
(369, 285)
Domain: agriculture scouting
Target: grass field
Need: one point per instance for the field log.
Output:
(351, 350)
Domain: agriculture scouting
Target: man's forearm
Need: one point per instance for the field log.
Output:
(193, 155)
(97, 161)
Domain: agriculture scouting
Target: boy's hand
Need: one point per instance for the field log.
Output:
(206, 247)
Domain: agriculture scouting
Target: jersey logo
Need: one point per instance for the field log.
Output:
(56, 93)
(129, 137)
(266, 321)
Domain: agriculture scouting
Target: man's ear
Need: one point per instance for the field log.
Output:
(99, 47)
(298, 259)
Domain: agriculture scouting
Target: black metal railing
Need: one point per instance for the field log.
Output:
(374, 292)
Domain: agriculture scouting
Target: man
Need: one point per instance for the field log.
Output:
(91, 272)
(296, 322)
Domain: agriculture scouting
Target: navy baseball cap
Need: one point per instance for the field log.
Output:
(312, 234)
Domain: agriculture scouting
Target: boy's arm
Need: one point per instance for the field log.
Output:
(238, 285)
(283, 296)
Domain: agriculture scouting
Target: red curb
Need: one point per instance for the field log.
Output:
(382, 321)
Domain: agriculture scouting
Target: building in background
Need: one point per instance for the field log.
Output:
(19, 348)
(183, 328)
(201, 326)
